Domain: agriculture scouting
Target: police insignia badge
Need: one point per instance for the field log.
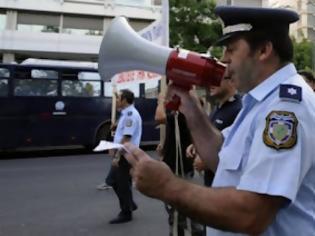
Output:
(128, 123)
(129, 113)
(280, 131)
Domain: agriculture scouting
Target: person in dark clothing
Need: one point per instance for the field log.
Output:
(226, 105)
(168, 153)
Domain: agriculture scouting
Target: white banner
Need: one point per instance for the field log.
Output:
(157, 32)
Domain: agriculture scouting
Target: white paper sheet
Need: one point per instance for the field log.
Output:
(104, 145)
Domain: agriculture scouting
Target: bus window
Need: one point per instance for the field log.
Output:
(35, 82)
(71, 88)
(86, 84)
(3, 87)
(89, 76)
(44, 74)
(108, 88)
(4, 73)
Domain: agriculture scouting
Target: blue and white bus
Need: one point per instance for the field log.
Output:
(46, 105)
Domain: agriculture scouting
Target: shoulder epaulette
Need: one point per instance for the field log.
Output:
(289, 92)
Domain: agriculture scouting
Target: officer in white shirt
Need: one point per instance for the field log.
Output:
(129, 129)
(265, 162)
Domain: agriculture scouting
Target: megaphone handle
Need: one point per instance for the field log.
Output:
(173, 104)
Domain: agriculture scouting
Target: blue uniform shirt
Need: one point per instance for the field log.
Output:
(130, 123)
(269, 150)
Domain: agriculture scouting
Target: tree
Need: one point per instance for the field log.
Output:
(303, 54)
(193, 25)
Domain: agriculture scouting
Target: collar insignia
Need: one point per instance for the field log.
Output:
(290, 92)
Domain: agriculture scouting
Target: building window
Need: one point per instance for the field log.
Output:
(79, 25)
(3, 19)
(229, 2)
(134, 2)
(35, 22)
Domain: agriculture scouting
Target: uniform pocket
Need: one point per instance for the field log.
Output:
(230, 159)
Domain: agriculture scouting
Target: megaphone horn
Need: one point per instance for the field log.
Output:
(122, 49)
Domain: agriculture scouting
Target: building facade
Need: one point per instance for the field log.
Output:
(243, 3)
(65, 29)
(305, 27)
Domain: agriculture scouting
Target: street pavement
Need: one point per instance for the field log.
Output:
(56, 195)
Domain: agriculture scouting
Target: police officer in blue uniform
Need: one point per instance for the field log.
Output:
(129, 129)
(265, 162)
(226, 105)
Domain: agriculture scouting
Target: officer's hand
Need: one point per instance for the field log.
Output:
(188, 100)
(151, 177)
(198, 164)
(191, 151)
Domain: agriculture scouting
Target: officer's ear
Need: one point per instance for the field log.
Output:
(265, 51)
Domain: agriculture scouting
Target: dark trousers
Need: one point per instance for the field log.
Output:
(120, 179)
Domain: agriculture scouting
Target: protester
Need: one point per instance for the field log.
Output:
(264, 163)
(172, 151)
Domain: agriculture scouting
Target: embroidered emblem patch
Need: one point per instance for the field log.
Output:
(280, 131)
(128, 123)
(129, 113)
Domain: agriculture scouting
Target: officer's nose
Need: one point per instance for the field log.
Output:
(225, 57)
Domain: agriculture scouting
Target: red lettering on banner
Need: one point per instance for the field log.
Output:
(134, 76)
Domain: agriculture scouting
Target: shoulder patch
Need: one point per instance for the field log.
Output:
(290, 92)
(129, 113)
(280, 131)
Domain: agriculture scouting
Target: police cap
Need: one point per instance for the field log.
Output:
(236, 20)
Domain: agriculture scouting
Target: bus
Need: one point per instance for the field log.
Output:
(56, 105)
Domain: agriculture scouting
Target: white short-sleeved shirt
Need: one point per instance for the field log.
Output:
(129, 123)
(248, 163)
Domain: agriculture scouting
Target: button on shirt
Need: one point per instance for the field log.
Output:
(130, 123)
(247, 163)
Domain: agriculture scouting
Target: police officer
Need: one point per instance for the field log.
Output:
(265, 162)
(129, 129)
(226, 105)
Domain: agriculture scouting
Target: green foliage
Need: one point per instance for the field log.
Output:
(193, 25)
(303, 54)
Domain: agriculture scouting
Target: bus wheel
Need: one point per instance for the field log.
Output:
(103, 133)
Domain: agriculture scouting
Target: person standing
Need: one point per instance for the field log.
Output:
(172, 152)
(227, 104)
(264, 163)
(129, 129)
